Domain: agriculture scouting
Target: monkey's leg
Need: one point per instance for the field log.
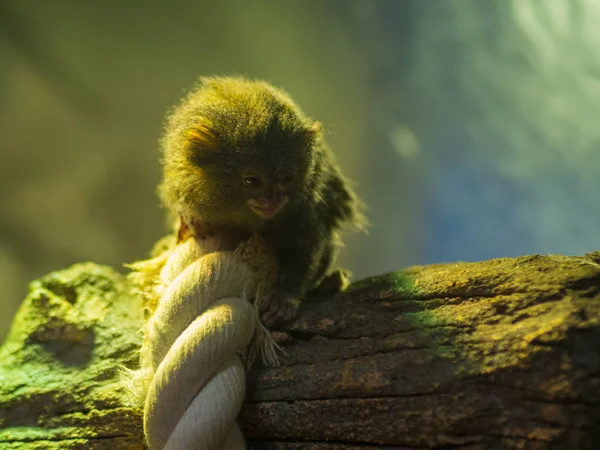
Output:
(337, 281)
(327, 282)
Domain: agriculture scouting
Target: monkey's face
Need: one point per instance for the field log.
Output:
(266, 197)
(253, 179)
(274, 173)
(239, 188)
(256, 186)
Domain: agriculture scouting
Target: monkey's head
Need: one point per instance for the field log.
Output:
(238, 153)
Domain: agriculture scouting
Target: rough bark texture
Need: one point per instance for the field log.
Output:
(500, 354)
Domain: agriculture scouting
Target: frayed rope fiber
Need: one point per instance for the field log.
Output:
(201, 336)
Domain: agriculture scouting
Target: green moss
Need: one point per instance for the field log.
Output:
(59, 365)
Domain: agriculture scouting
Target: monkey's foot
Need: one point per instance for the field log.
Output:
(335, 282)
(278, 308)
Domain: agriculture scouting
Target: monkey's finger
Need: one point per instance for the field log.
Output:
(265, 303)
(268, 317)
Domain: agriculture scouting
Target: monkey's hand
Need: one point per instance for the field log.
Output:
(278, 308)
(195, 227)
(191, 227)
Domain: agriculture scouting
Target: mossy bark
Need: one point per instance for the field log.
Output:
(59, 367)
(491, 355)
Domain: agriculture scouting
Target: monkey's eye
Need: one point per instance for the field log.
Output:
(253, 182)
(287, 180)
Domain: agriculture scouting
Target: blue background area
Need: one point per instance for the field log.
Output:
(472, 212)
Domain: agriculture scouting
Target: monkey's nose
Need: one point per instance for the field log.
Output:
(263, 202)
(272, 200)
(272, 204)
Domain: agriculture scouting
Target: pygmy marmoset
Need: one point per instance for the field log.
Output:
(240, 157)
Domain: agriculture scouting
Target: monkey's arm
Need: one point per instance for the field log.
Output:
(304, 260)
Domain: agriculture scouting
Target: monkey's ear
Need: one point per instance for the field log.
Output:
(314, 131)
(315, 128)
(201, 136)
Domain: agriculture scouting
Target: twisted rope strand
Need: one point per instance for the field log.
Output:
(192, 379)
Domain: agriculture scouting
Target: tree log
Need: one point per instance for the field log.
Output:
(501, 354)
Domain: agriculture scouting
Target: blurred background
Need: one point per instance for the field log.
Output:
(470, 127)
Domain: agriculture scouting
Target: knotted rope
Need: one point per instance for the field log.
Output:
(192, 379)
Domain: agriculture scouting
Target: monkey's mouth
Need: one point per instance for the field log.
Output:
(267, 209)
(267, 213)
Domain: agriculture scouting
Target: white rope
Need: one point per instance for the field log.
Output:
(192, 380)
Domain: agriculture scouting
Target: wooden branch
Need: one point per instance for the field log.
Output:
(500, 354)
